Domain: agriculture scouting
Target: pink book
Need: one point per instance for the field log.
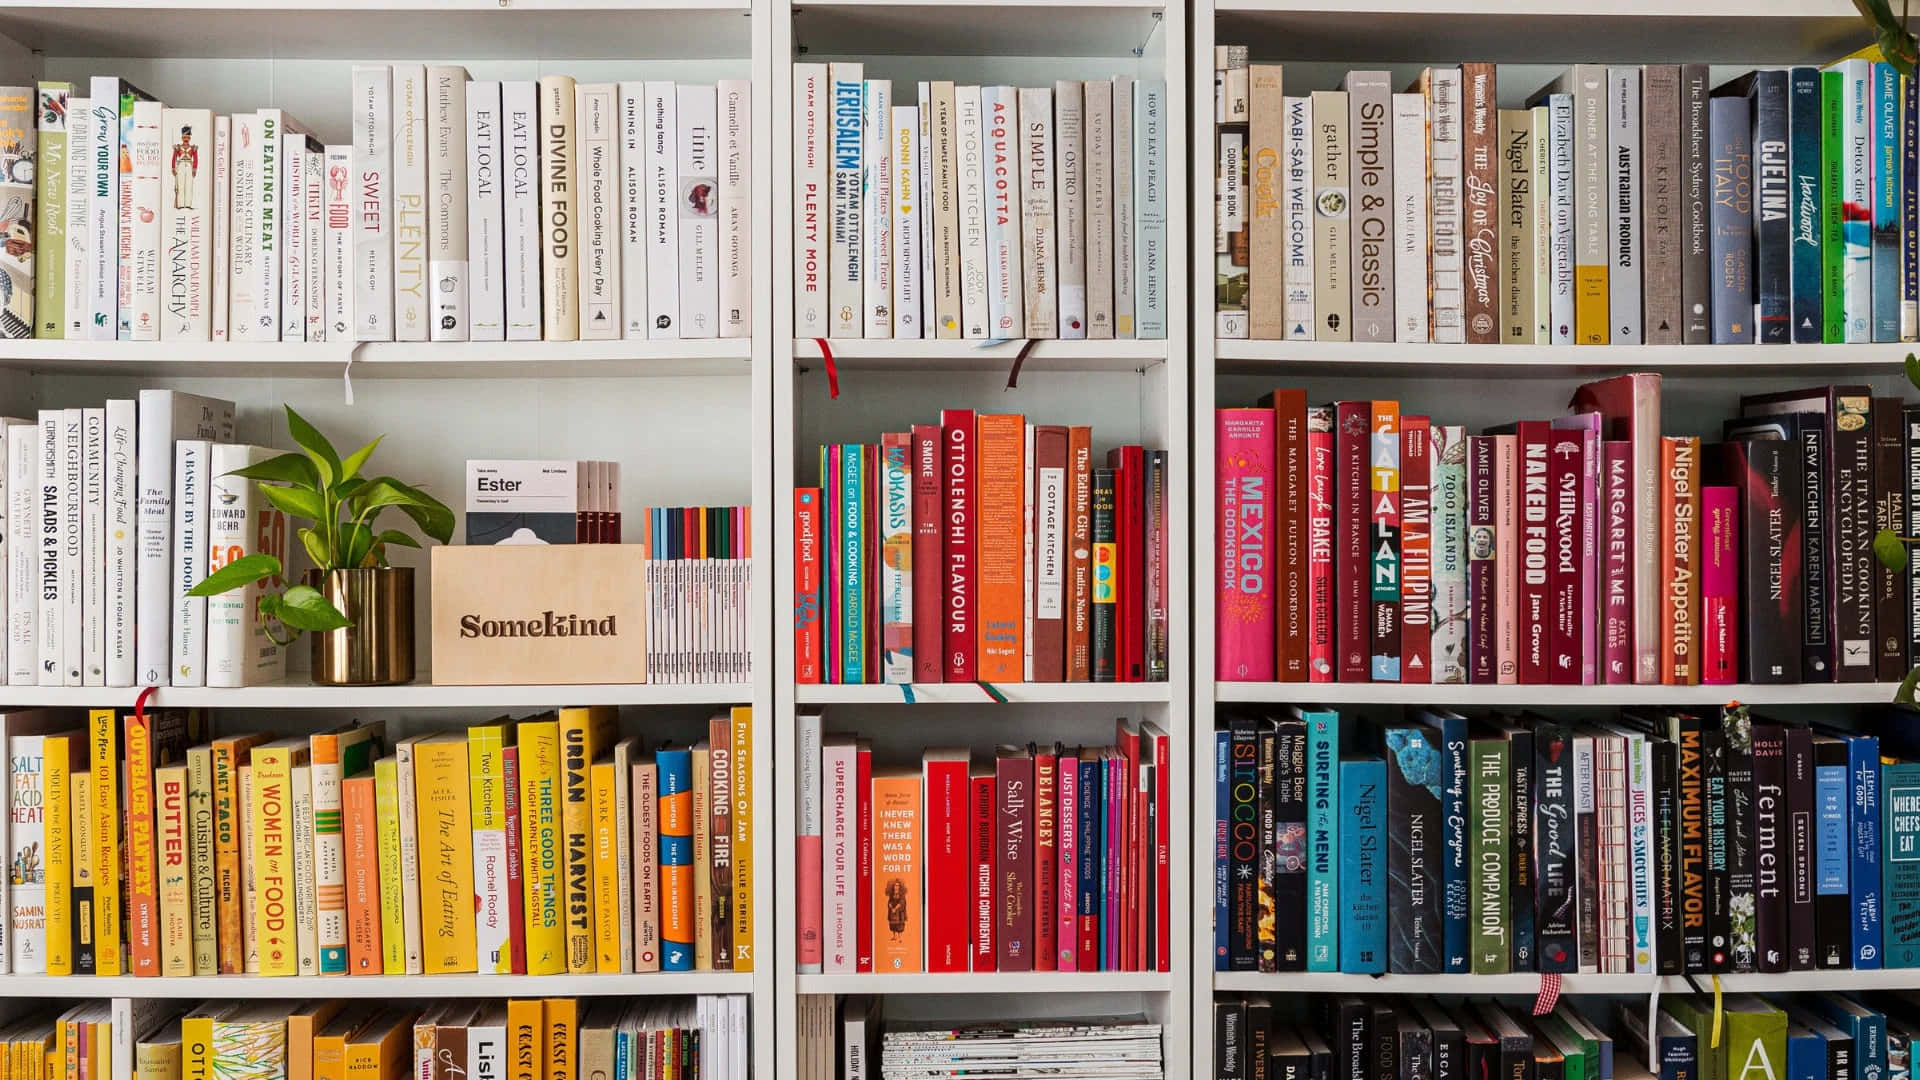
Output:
(1720, 585)
(1616, 613)
(1319, 527)
(839, 771)
(1067, 890)
(1567, 468)
(1592, 489)
(863, 857)
(1243, 578)
(1115, 902)
(1630, 407)
(646, 882)
(1506, 536)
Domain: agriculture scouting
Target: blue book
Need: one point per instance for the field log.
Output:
(1806, 1053)
(1773, 286)
(1900, 862)
(1453, 816)
(676, 778)
(1677, 1050)
(1910, 212)
(852, 534)
(1863, 849)
(1323, 867)
(1092, 797)
(1830, 797)
(1730, 239)
(1887, 156)
(1363, 866)
(1867, 1028)
(1222, 808)
(1803, 163)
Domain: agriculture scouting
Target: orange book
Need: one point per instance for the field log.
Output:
(896, 872)
(330, 1042)
(303, 1024)
(526, 1039)
(143, 885)
(563, 1029)
(1680, 560)
(229, 889)
(379, 1050)
(360, 846)
(1000, 547)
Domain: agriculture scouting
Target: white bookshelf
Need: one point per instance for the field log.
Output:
(685, 418)
(1129, 391)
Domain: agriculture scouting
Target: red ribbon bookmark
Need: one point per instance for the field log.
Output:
(833, 373)
(140, 703)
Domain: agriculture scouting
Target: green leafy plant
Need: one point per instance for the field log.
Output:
(320, 486)
(1897, 46)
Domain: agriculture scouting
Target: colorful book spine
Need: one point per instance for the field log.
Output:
(676, 859)
(1244, 447)
(1488, 763)
(1888, 154)
(1383, 542)
(1363, 866)
(1856, 132)
(1323, 871)
(489, 795)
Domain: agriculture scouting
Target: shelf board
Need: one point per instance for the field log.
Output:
(396, 987)
(383, 360)
(1587, 696)
(1330, 359)
(1041, 28)
(973, 694)
(948, 355)
(416, 695)
(1301, 982)
(990, 982)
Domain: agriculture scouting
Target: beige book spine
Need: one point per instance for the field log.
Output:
(559, 182)
(1098, 169)
(1516, 226)
(945, 143)
(1266, 139)
(1333, 287)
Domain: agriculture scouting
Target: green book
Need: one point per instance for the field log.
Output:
(1695, 1013)
(1833, 235)
(1488, 902)
(1573, 1054)
(50, 238)
(1755, 1039)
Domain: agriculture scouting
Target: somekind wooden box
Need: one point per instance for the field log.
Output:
(547, 614)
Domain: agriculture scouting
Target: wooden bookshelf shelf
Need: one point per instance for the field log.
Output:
(424, 987)
(1485, 696)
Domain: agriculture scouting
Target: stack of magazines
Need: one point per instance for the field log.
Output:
(1110, 1048)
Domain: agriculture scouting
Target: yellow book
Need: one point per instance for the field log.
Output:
(563, 1031)
(196, 1043)
(702, 859)
(541, 856)
(606, 869)
(103, 727)
(527, 1039)
(742, 821)
(1591, 320)
(100, 1046)
(304, 1024)
(203, 892)
(271, 824)
(486, 788)
(158, 1058)
(378, 1051)
(175, 885)
(584, 732)
(84, 926)
(42, 1049)
(249, 872)
(330, 1042)
(61, 757)
(233, 913)
(445, 822)
(393, 909)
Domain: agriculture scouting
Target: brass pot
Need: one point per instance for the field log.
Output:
(377, 650)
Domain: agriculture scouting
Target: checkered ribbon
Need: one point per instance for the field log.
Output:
(1549, 996)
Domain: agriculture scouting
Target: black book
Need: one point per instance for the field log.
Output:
(1230, 1040)
(1318, 1054)
(1586, 848)
(1853, 519)
(1522, 874)
(1832, 904)
(1689, 737)
(1386, 1040)
(1243, 844)
(1447, 1044)
(1555, 905)
(1890, 480)
(1266, 930)
(1515, 1043)
(1290, 845)
(1350, 1032)
(1768, 476)
(1668, 951)
(1772, 225)
(1696, 209)
(1713, 782)
(1415, 923)
(1910, 416)
(1415, 1046)
(1736, 732)
(1287, 1056)
(1800, 848)
(1259, 1037)
(1482, 1048)
(1772, 860)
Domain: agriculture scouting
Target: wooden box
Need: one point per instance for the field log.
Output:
(521, 615)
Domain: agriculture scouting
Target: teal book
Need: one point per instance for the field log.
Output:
(1488, 859)
(1323, 857)
(1363, 866)
(1900, 863)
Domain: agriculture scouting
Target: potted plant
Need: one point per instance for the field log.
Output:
(1897, 46)
(358, 609)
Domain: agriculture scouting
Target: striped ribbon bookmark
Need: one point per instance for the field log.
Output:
(1549, 995)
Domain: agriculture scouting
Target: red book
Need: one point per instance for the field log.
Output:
(1566, 568)
(516, 900)
(1416, 550)
(1352, 572)
(956, 430)
(1533, 577)
(949, 857)
(863, 893)
(1319, 528)
(985, 951)
(1133, 869)
(1244, 566)
(360, 840)
(1155, 631)
(1013, 857)
(1129, 486)
(1720, 586)
(806, 585)
(1050, 503)
(1162, 864)
(1288, 542)
(1616, 560)
(1046, 788)
(928, 640)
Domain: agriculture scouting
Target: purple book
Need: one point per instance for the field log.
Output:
(1616, 611)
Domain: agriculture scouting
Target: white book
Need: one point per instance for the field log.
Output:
(73, 545)
(904, 135)
(8, 451)
(372, 184)
(663, 219)
(246, 211)
(811, 234)
(699, 173)
(1297, 200)
(1069, 133)
(336, 249)
(1123, 211)
(1000, 128)
(736, 209)
(486, 295)
(77, 251)
(240, 522)
(838, 880)
(943, 210)
(972, 186)
(93, 541)
(140, 314)
(190, 551)
(596, 131)
(122, 538)
(924, 183)
(294, 239)
(282, 161)
(103, 209)
(487, 1043)
(1037, 233)
(1623, 207)
(447, 202)
(1097, 167)
(1856, 185)
(876, 162)
(316, 210)
(220, 291)
(164, 417)
(1409, 217)
(306, 914)
(811, 797)
(49, 632)
(1560, 192)
(409, 852)
(633, 209)
(559, 210)
(1541, 195)
(1446, 312)
(845, 277)
(1150, 208)
(186, 225)
(410, 305)
(23, 553)
(520, 209)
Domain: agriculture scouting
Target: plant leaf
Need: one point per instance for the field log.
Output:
(316, 546)
(355, 542)
(325, 460)
(350, 467)
(1890, 549)
(426, 511)
(237, 574)
(1904, 695)
(397, 538)
(285, 469)
(304, 608)
(300, 502)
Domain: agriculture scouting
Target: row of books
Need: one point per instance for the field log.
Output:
(982, 548)
(985, 212)
(1358, 542)
(1656, 842)
(1052, 858)
(699, 594)
(849, 1039)
(462, 210)
(1625, 205)
(545, 846)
